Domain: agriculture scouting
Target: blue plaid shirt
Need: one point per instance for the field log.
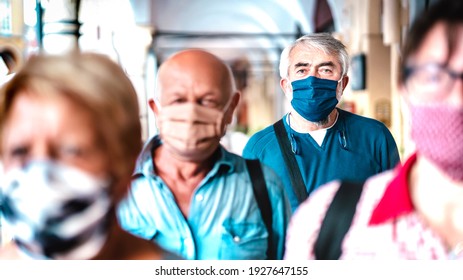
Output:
(224, 221)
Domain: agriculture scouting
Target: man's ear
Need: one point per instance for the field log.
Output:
(345, 81)
(231, 109)
(284, 84)
(153, 106)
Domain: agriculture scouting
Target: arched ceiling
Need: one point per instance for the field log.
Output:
(257, 30)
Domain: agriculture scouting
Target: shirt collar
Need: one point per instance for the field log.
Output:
(396, 200)
(144, 164)
(225, 160)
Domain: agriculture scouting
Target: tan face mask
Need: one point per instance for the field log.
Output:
(190, 131)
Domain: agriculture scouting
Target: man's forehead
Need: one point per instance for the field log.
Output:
(194, 87)
(308, 56)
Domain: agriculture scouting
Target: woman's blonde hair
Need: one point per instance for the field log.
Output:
(98, 85)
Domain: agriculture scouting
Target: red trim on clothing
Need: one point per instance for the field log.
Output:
(396, 199)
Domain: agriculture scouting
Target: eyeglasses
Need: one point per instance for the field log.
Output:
(431, 80)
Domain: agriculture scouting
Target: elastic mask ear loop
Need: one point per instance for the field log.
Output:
(290, 89)
(339, 94)
(342, 135)
(342, 139)
(293, 141)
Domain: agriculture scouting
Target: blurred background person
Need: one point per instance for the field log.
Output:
(69, 138)
(416, 210)
(189, 194)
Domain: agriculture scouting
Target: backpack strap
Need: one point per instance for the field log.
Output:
(337, 221)
(291, 164)
(259, 188)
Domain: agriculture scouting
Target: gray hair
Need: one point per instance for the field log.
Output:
(322, 41)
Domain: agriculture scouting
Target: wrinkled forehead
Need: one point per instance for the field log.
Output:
(313, 52)
(310, 56)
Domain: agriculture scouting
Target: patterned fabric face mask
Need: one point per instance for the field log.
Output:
(56, 211)
(438, 135)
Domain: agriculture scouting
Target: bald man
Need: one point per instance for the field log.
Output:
(189, 194)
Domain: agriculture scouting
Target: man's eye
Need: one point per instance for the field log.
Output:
(208, 103)
(301, 71)
(178, 101)
(326, 71)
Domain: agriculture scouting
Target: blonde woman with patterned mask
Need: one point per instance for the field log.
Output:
(70, 135)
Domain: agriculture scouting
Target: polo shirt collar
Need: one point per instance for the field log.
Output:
(396, 200)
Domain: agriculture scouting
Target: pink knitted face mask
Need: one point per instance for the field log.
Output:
(438, 135)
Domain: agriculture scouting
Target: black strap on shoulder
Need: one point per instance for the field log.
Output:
(337, 221)
(291, 164)
(263, 201)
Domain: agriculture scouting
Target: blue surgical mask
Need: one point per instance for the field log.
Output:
(313, 98)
